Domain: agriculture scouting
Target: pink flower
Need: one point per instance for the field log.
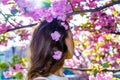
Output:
(36, 15)
(23, 46)
(55, 35)
(76, 28)
(18, 67)
(25, 34)
(92, 4)
(4, 1)
(11, 69)
(21, 3)
(91, 77)
(7, 74)
(24, 72)
(4, 27)
(64, 25)
(57, 55)
(49, 18)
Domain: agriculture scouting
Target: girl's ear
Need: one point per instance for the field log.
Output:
(70, 45)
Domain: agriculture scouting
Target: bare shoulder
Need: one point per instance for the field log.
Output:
(40, 78)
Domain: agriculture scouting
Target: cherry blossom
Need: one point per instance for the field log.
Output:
(57, 55)
(55, 35)
(7, 74)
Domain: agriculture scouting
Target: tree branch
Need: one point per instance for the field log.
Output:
(25, 26)
(86, 69)
(6, 19)
(94, 10)
(117, 33)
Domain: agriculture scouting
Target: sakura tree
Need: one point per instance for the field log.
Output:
(97, 39)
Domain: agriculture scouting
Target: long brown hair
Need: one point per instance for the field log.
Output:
(42, 48)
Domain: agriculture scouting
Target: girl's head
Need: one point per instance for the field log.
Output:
(51, 44)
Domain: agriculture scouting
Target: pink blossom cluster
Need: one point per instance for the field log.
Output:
(7, 74)
(76, 2)
(92, 3)
(106, 23)
(11, 71)
(74, 62)
(58, 9)
(16, 68)
(102, 76)
(24, 34)
(4, 1)
(3, 43)
(4, 27)
(4, 38)
(83, 4)
(98, 47)
(104, 49)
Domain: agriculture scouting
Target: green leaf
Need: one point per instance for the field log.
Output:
(18, 75)
(95, 72)
(11, 2)
(3, 66)
(82, 14)
(15, 56)
(76, 9)
(45, 4)
(14, 11)
(105, 65)
(15, 59)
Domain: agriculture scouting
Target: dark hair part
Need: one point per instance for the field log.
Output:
(42, 48)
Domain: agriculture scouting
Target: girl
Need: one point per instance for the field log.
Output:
(51, 44)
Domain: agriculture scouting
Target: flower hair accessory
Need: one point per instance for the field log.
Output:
(55, 35)
(64, 25)
(57, 55)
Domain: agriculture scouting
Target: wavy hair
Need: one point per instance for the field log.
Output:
(42, 48)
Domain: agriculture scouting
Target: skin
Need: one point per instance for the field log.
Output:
(70, 45)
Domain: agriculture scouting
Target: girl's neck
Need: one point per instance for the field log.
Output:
(60, 72)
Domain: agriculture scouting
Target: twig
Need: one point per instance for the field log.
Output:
(16, 22)
(94, 10)
(117, 33)
(7, 19)
(71, 5)
(25, 26)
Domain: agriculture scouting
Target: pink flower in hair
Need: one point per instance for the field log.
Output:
(55, 35)
(57, 55)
